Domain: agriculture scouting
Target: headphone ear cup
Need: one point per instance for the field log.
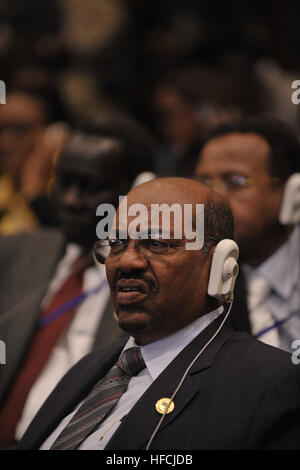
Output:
(224, 270)
(143, 177)
(230, 269)
(290, 203)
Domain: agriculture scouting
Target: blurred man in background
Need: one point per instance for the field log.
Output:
(188, 102)
(29, 142)
(55, 304)
(249, 162)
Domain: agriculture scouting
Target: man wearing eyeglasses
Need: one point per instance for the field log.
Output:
(249, 163)
(184, 380)
(54, 302)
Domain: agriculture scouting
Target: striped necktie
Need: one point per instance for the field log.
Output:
(100, 400)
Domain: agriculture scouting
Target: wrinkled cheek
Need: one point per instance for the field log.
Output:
(243, 216)
(110, 276)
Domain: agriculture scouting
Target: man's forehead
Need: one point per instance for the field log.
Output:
(235, 148)
(166, 195)
(77, 165)
(90, 149)
(160, 218)
(168, 191)
(97, 158)
(130, 207)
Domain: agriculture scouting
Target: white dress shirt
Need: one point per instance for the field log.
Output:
(157, 356)
(281, 271)
(78, 339)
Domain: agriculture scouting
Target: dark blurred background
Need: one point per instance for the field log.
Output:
(178, 66)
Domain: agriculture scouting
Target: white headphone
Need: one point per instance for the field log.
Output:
(290, 204)
(143, 177)
(224, 267)
(224, 270)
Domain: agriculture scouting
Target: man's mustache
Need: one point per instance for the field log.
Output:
(133, 275)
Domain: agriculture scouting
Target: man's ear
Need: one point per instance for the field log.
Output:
(224, 270)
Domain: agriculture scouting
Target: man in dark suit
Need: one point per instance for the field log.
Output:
(43, 272)
(255, 164)
(191, 382)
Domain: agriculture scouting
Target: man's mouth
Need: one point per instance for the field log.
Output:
(129, 290)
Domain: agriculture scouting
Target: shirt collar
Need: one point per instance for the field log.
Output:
(282, 269)
(159, 354)
(73, 251)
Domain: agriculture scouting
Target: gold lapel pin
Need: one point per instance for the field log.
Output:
(164, 404)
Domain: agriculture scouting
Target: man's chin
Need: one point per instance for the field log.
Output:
(248, 247)
(134, 322)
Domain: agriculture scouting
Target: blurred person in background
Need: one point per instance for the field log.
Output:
(249, 162)
(31, 137)
(188, 102)
(55, 305)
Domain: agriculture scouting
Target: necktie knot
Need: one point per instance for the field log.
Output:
(131, 361)
(101, 400)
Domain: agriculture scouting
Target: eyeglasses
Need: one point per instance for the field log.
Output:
(233, 182)
(113, 248)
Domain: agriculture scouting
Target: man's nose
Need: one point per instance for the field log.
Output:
(219, 186)
(132, 259)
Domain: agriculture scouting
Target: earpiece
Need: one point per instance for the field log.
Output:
(290, 204)
(224, 270)
(143, 177)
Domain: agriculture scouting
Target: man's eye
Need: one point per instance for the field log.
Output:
(203, 179)
(237, 181)
(157, 246)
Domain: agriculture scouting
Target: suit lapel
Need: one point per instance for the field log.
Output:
(239, 315)
(163, 387)
(71, 390)
(25, 286)
(75, 386)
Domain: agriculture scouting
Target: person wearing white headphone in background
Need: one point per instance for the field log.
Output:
(184, 380)
(255, 164)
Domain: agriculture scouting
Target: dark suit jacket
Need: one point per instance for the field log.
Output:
(27, 264)
(240, 394)
(239, 315)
